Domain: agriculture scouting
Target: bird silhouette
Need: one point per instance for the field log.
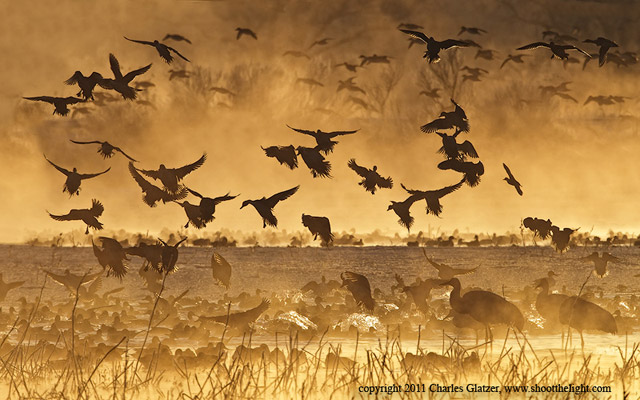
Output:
(581, 315)
(539, 227)
(85, 83)
(88, 216)
(245, 32)
(604, 44)
(176, 37)
(472, 171)
(433, 46)
(515, 59)
(448, 120)
(432, 93)
(432, 197)
(179, 73)
(264, 206)
(310, 82)
(561, 238)
(61, 104)
(485, 307)
(72, 281)
(151, 194)
(411, 26)
(284, 154)
(106, 150)
(402, 210)
(240, 320)
(349, 67)
(454, 150)
(485, 54)
(349, 85)
(323, 139)
(549, 304)
(74, 179)
(194, 215)
(120, 83)
(169, 256)
(471, 30)
(221, 270)
(372, 179)
(511, 180)
(566, 96)
(557, 50)
(315, 161)
(445, 272)
(600, 262)
(318, 226)
(163, 50)
(208, 205)
(374, 59)
(5, 287)
(600, 100)
(152, 255)
(170, 177)
(296, 53)
(359, 287)
(420, 291)
(321, 42)
(111, 257)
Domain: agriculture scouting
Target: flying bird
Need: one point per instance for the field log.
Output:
(374, 59)
(557, 50)
(240, 320)
(486, 54)
(349, 67)
(471, 30)
(565, 96)
(600, 262)
(409, 26)
(472, 171)
(604, 44)
(321, 42)
(315, 161)
(323, 139)
(561, 238)
(350, 85)
(176, 37)
(296, 53)
(106, 150)
(515, 59)
(372, 178)
(88, 216)
(74, 179)
(446, 272)
(511, 180)
(246, 32)
(152, 194)
(194, 216)
(433, 46)
(111, 256)
(60, 104)
(163, 50)
(454, 150)
(169, 256)
(539, 227)
(318, 226)
(208, 205)
(359, 287)
(222, 90)
(170, 177)
(85, 83)
(402, 210)
(432, 93)
(72, 281)
(284, 154)
(120, 83)
(179, 73)
(264, 206)
(432, 197)
(448, 120)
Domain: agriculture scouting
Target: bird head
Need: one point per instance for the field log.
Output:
(245, 203)
(375, 168)
(161, 167)
(75, 169)
(393, 203)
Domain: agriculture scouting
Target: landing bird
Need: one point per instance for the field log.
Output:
(566, 96)
(446, 272)
(106, 150)
(402, 210)
(350, 85)
(240, 320)
(433, 46)
(557, 50)
(551, 89)
(264, 206)
(359, 287)
(296, 53)
(548, 304)
(152, 194)
(604, 44)
(372, 178)
(454, 150)
(152, 255)
(486, 54)
(318, 226)
(74, 179)
(448, 120)
(85, 83)
(246, 32)
(600, 100)
(432, 197)
(515, 59)
(88, 216)
(582, 315)
(561, 238)
(60, 103)
(485, 307)
(221, 270)
(120, 83)
(432, 93)
(321, 42)
(5, 287)
(471, 30)
(170, 177)
(73, 281)
(420, 292)
(169, 256)
(600, 262)
(163, 50)
(539, 227)
(180, 73)
(323, 139)
(315, 161)
(208, 205)
(511, 180)
(471, 171)
(349, 67)
(111, 257)
(284, 154)
(374, 59)
(194, 216)
(176, 37)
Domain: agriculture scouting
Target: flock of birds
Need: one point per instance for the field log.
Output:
(484, 307)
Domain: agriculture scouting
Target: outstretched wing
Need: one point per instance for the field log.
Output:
(140, 41)
(415, 34)
(508, 171)
(273, 200)
(64, 171)
(47, 99)
(572, 47)
(446, 44)
(71, 216)
(449, 189)
(412, 191)
(362, 171)
(193, 192)
(187, 169)
(144, 185)
(91, 142)
(178, 54)
(115, 66)
(226, 197)
(386, 183)
(440, 123)
(129, 77)
(74, 78)
(124, 154)
(306, 132)
(467, 148)
(340, 133)
(87, 176)
(534, 45)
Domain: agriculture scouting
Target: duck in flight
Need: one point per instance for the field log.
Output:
(432, 197)
(245, 32)
(446, 272)
(88, 216)
(264, 206)
(472, 171)
(402, 210)
(176, 37)
(471, 30)
(600, 262)
(515, 59)
(372, 178)
(323, 139)
(454, 150)
(208, 205)
(170, 177)
(74, 179)
(60, 104)
(163, 50)
(448, 120)
(433, 46)
(152, 194)
(85, 83)
(321, 42)
(557, 50)
(284, 154)
(604, 44)
(111, 256)
(106, 150)
(194, 215)
(315, 161)
(120, 83)
(511, 180)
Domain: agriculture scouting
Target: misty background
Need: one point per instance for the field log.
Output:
(577, 163)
